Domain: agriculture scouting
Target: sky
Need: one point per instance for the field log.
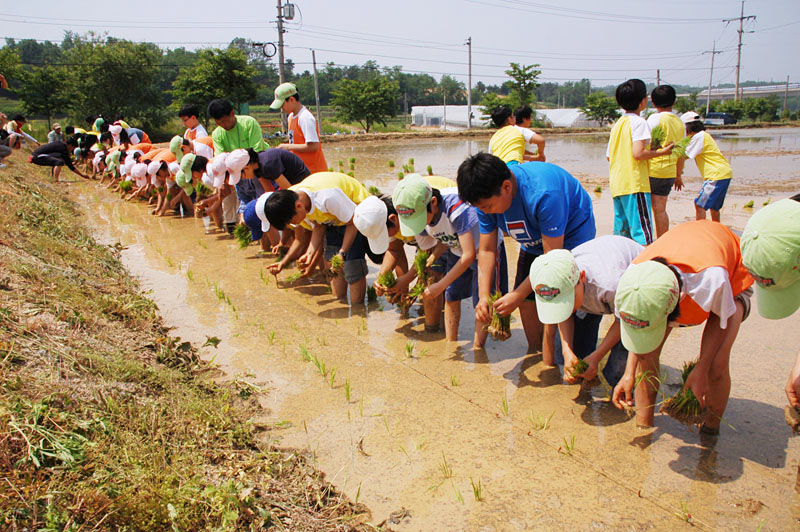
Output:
(607, 41)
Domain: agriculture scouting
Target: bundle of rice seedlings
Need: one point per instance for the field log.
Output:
(420, 264)
(430, 170)
(203, 190)
(372, 295)
(374, 191)
(293, 278)
(337, 264)
(387, 279)
(126, 186)
(684, 406)
(579, 368)
(391, 164)
(400, 175)
(657, 136)
(242, 235)
(792, 415)
(500, 326)
(679, 148)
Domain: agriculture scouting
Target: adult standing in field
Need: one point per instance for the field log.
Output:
(303, 128)
(55, 134)
(771, 253)
(541, 206)
(665, 170)
(234, 131)
(523, 117)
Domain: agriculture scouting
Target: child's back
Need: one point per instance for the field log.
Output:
(666, 165)
(626, 174)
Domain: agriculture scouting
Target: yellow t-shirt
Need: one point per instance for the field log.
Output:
(436, 181)
(712, 164)
(334, 197)
(667, 165)
(508, 144)
(626, 174)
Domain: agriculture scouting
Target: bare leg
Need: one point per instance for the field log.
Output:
(648, 374)
(56, 173)
(719, 341)
(432, 306)
(452, 315)
(660, 214)
(714, 215)
(532, 326)
(358, 291)
(700, 214)
(339, 287)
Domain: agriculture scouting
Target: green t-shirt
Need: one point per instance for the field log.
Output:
(245, 134)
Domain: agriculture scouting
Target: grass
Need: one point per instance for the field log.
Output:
(126, 433)
(538, 421)
(477, 489)
(445, 469)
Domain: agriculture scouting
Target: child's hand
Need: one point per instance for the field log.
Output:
(570, 361)
(678, 183)
(623, 392)
(666, 149)
(433, 291)
(506, 304)
(379, 288)
(697, 381)
(483, 310)
(276, 268)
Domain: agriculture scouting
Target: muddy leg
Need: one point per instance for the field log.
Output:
(714, 215)
(719, 341)
(358, 291)
(700, 214)
(452, 315)
(660, 214)
(533, 327)
(648, 373)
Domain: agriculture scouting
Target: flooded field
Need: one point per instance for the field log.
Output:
(432, 436)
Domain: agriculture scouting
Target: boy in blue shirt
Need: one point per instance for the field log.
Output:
(541, 206)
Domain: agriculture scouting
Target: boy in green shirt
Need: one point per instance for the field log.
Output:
(234, 131)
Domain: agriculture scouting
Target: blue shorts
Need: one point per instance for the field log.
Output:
(466, 284)
(355, 265)
(712, 194)
(632, 217)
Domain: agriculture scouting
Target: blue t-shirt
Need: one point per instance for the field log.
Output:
(549, 202)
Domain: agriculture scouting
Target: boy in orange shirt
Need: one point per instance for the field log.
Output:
(303, 129)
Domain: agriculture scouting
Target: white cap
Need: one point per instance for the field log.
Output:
(153, 167)
(115, 130)
(207, 181)
(216, 168)
(690, 116)
(260, 202)
(173, 167)
(125, 169)
(370, 220)
(139, 170)
(235, 162)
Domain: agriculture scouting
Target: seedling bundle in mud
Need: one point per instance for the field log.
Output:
(684, 406)
(500, 327)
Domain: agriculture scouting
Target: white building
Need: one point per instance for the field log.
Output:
(455, 117)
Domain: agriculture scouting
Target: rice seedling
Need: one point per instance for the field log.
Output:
(679, 148)
(400, 176)
(126, 186)
(598, 189)
(749, 204)
(539, 421)
(202, 189)
(293, 278)
(372, 295)
(341, 163)
(500, 326)
(504, 407)
(347, 390)
(170, 262)
(685, 515)
(454, 380)
(330, 168)
(391, 164)
(358, 492)
(407, 169)
(189, 274)
(410, 160)
(403, 450)
(332, 378)
(421, 264)
(305, 354)
(351, 173)
(477, 489)
(320, 365)
(211, 341)
(322, 341)
(579, 368)
(684, 406)
(766, 202)
(352, 160)
(445, 469)
(352, 166)
(337, 264)
(374, 191)
(201, 243)
(569, 445)
(430, 170)
(242, 235)
(657, 136)
(457, 492)
(271, 337)
(264, 277)
(361, 406)
(387, 279)
(409, 348)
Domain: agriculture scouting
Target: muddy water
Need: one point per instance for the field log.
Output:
(418, 431)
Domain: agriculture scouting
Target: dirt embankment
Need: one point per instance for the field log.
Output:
(109, 423)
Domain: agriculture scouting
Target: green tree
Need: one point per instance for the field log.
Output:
(601, 107)
(9, 63)
(366, 102)
(116, 77)
(454, 91)
(523, 83)
(46, 91)
(489, 101)
(216, 74)
(684, 104)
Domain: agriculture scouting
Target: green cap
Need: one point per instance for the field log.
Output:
(553, 278)
(175, 147)
(646, 294)
(771, 252)
(410, 198)
(184, 180)
(283, 91)
(187, 162)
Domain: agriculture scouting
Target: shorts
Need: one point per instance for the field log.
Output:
(632, 217)
(712, 194)
(744, 297)
(466, 284)
(524, 262)
(585, 335)
(661, 186)
(355, 265)
(48, 159)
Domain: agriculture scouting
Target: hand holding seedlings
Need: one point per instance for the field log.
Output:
(500, 326)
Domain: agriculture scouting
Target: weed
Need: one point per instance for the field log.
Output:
(504, 405)
(445, 469)
(569, 444)
(598, 189)
(430, 170)
(212, 341)
(409, 348)
(477, 489)
(347, 390)
(539, 421)
(749, 204)
(403, 450)
(453, 380)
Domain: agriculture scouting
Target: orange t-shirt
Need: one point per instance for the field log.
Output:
(164, 155)
(208, 141)
(315, 161)
(694, 246)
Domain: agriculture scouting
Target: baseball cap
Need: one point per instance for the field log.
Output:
(553, 278)
(173, 167)
(410, 198)
(187, 162)
(175, 147)
(646, 294)
(370, 220)
(771, 252)
(690, 116)
(115, 130)
(235, 162)
(217, 169)
(56, 126)
(153, 167)
(283, 91)
(254, 217)
(139, 171)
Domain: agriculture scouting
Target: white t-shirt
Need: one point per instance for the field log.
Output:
(204, 150)
(604, 259)
(308, 125)
(695, 146)
(333, 201)
(654, 119)
(711, 290)
(640, 129)
(199, 132)
(527, 134)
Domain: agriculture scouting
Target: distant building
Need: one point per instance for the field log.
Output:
(456, 118)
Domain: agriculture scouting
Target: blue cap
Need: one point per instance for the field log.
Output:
(252, 221)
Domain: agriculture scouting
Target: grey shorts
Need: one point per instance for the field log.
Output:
(660, 186)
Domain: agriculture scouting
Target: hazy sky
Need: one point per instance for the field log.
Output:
(605, 41)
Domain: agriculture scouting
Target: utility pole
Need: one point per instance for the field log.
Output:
(713, 52)
(469, 83)
(741, 18)
(658, 77)
(405, 107)
(786, 93)
(316, 88)
(281, 71)
(444, 106)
